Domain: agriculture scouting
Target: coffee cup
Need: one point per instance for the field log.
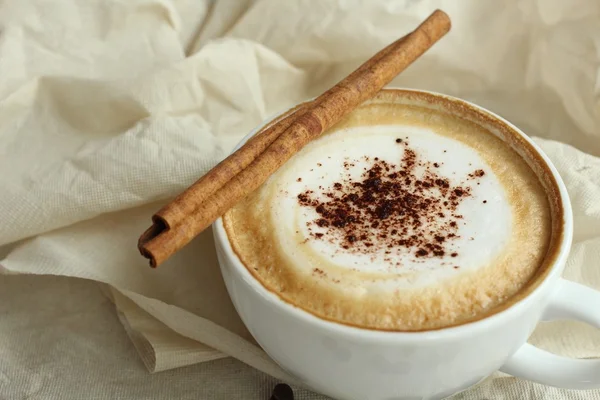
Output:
(445, 347)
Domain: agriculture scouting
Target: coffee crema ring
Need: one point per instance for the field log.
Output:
(404, 217)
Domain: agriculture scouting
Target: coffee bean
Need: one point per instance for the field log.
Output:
(282, 392)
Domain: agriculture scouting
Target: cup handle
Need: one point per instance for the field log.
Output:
(570, 301)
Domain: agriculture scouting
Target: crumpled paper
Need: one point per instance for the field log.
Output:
(110, 108)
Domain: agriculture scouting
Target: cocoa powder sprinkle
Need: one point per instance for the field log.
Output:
(391, 208)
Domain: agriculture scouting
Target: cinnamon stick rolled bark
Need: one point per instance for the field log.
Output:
(233, 179)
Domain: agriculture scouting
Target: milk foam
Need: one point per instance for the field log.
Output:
(498, 237)
(484, 230)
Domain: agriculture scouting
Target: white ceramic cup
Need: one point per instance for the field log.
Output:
(349, 363)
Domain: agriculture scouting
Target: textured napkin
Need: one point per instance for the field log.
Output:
(110, 108)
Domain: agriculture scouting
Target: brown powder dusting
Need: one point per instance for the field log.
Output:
(407, 207)
(477, 173)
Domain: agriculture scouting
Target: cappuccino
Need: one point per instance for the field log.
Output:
(403, 217)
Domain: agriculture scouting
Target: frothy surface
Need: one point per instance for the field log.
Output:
(378, 206)
(400, 218)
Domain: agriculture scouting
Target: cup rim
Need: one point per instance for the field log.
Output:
(498, 318)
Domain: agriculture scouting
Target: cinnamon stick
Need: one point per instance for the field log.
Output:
(233, 179)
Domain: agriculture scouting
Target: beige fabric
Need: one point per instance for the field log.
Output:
(109, 108)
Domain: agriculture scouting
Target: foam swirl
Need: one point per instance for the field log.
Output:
(402, 217)
(332, 224)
